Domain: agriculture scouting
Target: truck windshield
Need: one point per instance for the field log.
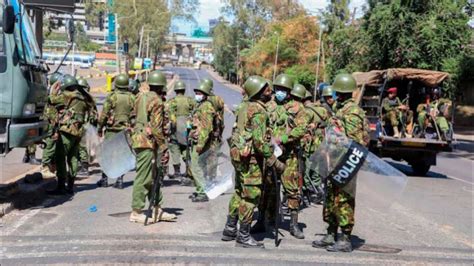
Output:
(29, 52)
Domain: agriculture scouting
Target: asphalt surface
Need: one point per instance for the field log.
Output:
(431, 222)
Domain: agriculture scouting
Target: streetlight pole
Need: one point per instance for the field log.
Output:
(317, 62)
(117, 59)
(276, 57)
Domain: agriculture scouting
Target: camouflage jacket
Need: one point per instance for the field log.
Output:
(317, 118)
(116, 114)
(202, 124)
(148, 112)
(389, 105)
(251, 135)
(73, 108)
(297, 121)
(278, 117)
(218, 104)
(353, 121)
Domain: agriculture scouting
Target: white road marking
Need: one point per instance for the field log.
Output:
(13, 227)
(461, 180)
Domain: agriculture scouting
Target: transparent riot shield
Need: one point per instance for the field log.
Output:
(116, 156)
(213, 168)
(90, 140)
(181, 133)
(348, 165)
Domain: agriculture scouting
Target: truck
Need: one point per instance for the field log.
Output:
(23, 80)
(418, 150)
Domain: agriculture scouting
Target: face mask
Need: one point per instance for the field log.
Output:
(199, 98)
(280, 95)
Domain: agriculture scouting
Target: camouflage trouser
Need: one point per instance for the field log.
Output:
(143, 183)
(67, 160)
(178, 152)
(31, 149)
(83, 155)
(247, 192)
(197, 171)
(339, 209)
(50, 148)
(441, 121)
(290, 180)
(392, 117)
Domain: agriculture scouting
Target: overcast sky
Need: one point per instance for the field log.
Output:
(211, 9)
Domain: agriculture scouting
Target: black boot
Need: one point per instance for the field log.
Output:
(342, 245)
(84, 171)
(26, 158)
(245, 240)
(230, 229)
(32, 160)
(70, 185)
(328, 240)
(259, 227)
(176, 173)
(119, 183)
(103, 182)
(294, 228)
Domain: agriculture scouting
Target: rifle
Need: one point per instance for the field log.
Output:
(278, 205)
(156, 174)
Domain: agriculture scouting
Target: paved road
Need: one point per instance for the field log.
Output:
(430, 223)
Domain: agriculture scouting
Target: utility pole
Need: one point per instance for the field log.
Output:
(117, 55)
(276, 57)
(140, 43)
(317, 62)
(148, 46)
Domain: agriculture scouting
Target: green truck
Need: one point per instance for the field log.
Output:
(23, 80)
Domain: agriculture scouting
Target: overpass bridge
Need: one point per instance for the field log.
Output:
(189, 46)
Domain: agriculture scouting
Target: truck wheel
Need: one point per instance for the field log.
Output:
(420, 169)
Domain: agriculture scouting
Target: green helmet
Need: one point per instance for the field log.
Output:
(157, 78)
(68, 81)
(327, 91)
(204, 88)
(283, 80)
(209, 82)
(121, 81)
(254, 84)
(299, 91)
(54, 77)
(83, 82)
(344, 83)
(179, 86)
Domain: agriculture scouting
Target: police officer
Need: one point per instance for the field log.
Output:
(71, 121)
(48, 167)
(149, 143)
(391, 109)
(339, 206)
(435, 110)
(250, 147)
(317, 118)
(180, 108)
(116, 116)
(328, 99)
(91, 117)
(202, 137)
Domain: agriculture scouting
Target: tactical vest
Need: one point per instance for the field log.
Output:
(183, 108)
(122, 108)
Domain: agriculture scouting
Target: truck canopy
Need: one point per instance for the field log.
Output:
(375, 78)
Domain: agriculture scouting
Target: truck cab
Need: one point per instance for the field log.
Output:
(412, 85)
(23, 80)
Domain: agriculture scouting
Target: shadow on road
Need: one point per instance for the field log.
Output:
(406, 169)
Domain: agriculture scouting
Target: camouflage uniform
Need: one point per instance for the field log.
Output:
(179, 108)
(339, 207)
(71, 122)
(317, 118)
(201, 139)
(51, 115)
(91, 117)
(390, 110)
(149, 114)
(441, 107)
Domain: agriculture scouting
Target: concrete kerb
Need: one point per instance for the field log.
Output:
(217, 77)
(19, 194)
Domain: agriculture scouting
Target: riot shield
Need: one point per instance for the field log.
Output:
(349, 165)
(90, 140)
(181, 133)
(116, 156)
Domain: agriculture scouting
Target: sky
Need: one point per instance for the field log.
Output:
(210, 9)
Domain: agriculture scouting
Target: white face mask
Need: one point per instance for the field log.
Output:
(199, 98)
